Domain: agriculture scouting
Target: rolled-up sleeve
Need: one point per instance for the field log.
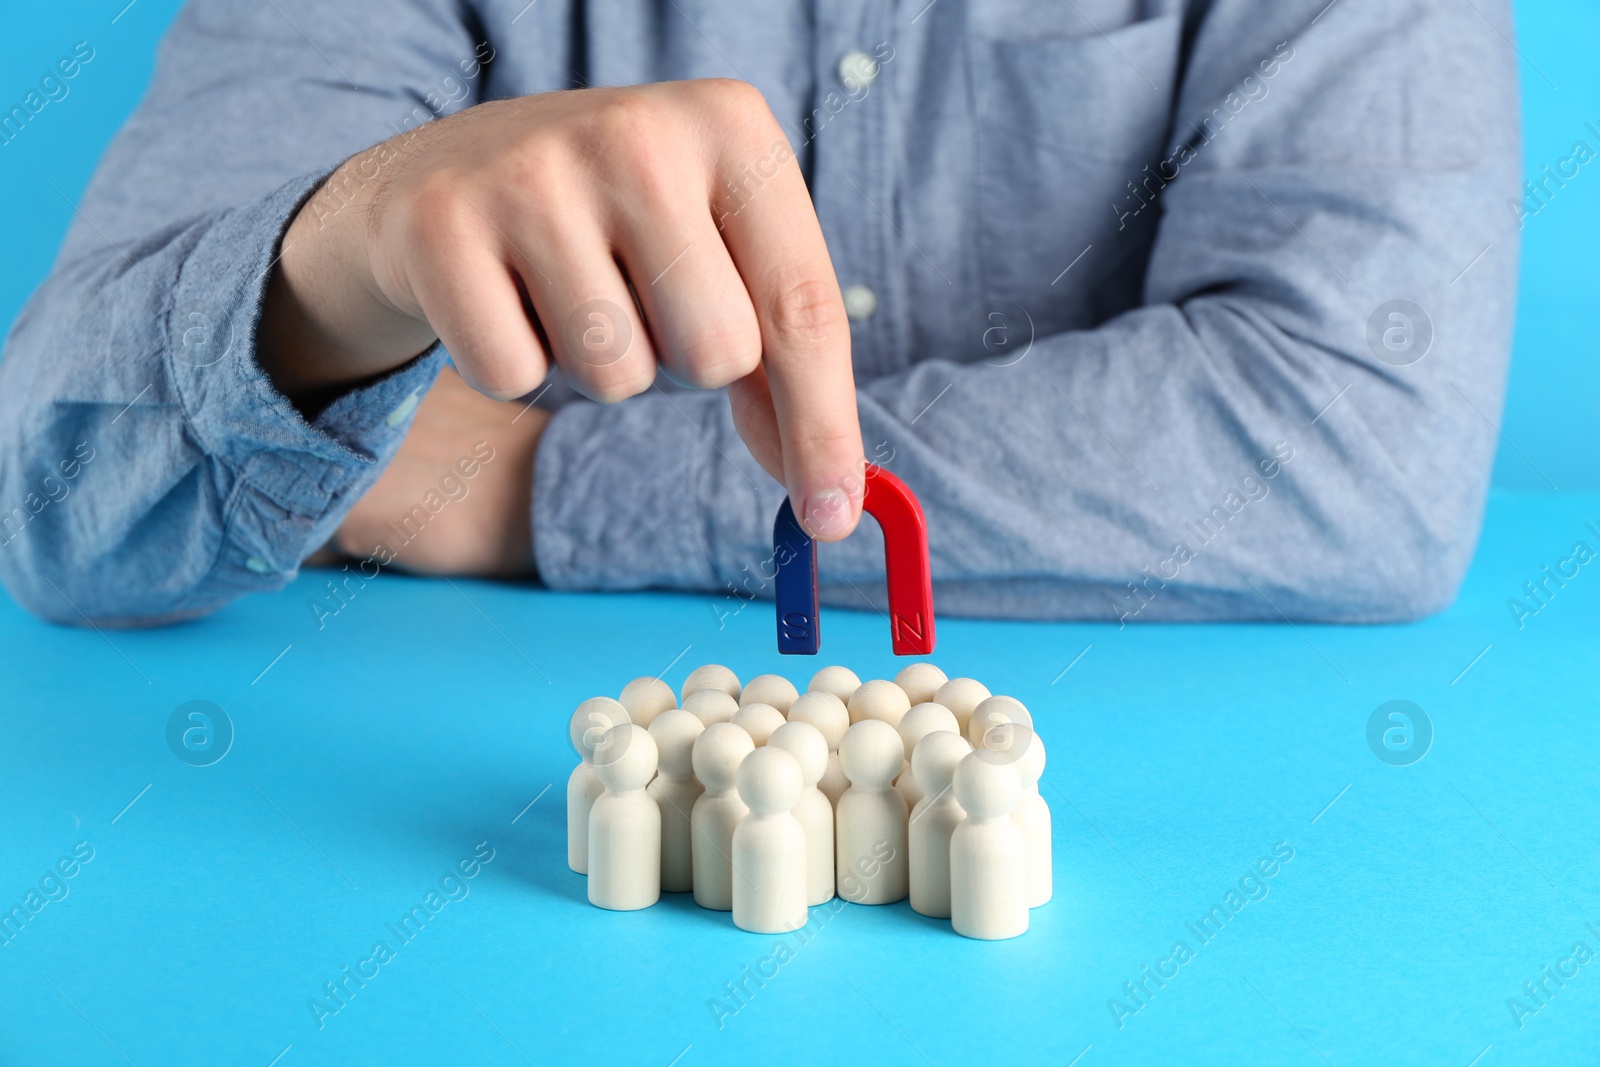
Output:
(149, 470)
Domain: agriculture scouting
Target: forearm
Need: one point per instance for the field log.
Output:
(204, 483)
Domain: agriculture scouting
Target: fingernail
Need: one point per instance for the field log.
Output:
(827, 514)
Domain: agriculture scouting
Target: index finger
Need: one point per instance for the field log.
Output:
(773, 236)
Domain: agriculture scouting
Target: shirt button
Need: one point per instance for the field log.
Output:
(859, 302)
(857, 70)
(260, 566)
(403, 412)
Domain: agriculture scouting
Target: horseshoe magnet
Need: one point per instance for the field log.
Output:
(905, 549)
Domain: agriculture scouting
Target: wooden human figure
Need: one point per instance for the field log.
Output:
(878, 699)
(675, 791)
(589, 723)
(920, 681)
(934, 819)
(808, 747)
(1033, 815)
(769, 846)
(827, 712)
(920, 721)
(710, 705)
(988, 851)
(995, 711)
(718, 751)
(961, 696)
(711, 676)
(772, 689)
(625, 824)
(1017, 744)
(870, 821)
(840, 681)
(645, 698)
(758, 720)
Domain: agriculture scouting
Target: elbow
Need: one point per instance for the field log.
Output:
(1404, 586)
(1357, 584)
(44, 585)
(102, 543)
(29, 589)
(43, 588)
(1389, 563)
(58, 572)
(1386, 507)
(68, 597)
(29, 570)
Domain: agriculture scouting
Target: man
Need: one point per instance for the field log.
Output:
(1165, 309)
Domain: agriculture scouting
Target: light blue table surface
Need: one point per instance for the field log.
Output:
(372, 756)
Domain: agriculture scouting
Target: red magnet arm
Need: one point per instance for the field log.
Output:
(905, 550)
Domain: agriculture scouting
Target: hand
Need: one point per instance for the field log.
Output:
(484, 524)
(514, 231)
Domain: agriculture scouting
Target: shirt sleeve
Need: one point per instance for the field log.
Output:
(149, 470)
(1262, 439)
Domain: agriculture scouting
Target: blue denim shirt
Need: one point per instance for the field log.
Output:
(1167, 309)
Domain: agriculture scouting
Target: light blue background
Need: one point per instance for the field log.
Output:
(1554, 398)
(372, 754)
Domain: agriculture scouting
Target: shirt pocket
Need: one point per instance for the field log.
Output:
(1065, 126)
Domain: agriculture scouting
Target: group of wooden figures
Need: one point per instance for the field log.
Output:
(764, 801)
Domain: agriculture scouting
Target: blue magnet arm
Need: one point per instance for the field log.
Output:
(795, 556)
